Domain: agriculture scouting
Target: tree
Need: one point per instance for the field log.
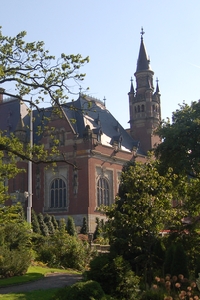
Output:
(48, 222)
(43, 226)
(180, 262)
(84, 228)
(71, 226)
(54, 222)
(32, 71)
(97, 232)
(180, 145)
(143, 208)
(34, 222)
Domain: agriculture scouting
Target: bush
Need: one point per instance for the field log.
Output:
(63, 250)
(115, 276)
(14, 262)
(15, 250)
(85, 290)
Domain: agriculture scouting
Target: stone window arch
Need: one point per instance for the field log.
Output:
(103, 191)
(58, 193)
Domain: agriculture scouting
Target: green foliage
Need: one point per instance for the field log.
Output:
(71, 229)
(115, 276)
(84, 228)
(82, 291)
(32, 69)
(180, 147)
(153, 295)
(141, 211)
(63, 250)
(54, 222)
(169, 259)
(34, 222)
(15, 249)
(48, 222)
(43, 226)
(97, 232)
(179, 262)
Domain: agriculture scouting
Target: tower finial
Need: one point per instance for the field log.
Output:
(142, 32)
(104, 101)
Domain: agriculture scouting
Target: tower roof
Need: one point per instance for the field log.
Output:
(143, 62)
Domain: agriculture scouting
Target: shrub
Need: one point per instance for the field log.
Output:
(15, 250)
(14, 262)
(84, 228)
(64, 250)
(71, 226)
(115, 276)
(85, 290)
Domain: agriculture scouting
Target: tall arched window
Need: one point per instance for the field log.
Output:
(103, 195)
(58, 194)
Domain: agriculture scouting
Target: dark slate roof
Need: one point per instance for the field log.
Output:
(143, 62)
(86, 111)
(10, 111)
(92, 112)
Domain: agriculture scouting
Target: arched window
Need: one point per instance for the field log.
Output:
(138, 108)
(58, 198)
(62, 137)
(103, 195)
(142, 107)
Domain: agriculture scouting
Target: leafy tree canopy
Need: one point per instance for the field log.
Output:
(34, 71)
(180, 145)
(141, 211)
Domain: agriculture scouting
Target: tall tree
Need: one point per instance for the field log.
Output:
(142, 209)
(180, 145)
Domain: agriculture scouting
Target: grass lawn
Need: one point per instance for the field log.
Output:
(39, 295)
(33, 273)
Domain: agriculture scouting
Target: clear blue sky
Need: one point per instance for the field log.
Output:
(109, 32)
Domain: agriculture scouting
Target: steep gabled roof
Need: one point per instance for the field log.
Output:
(87, 111)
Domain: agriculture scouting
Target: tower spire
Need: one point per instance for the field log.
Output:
(143, 62)
(132, 88)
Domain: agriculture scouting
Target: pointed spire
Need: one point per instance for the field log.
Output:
(132, 88)
(143, 62)
(157, 87)
(104, 101)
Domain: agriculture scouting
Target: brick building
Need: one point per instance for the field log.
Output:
(89, 138)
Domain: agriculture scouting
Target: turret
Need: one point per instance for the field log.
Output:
(144, 103)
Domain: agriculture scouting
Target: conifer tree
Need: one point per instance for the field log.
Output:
(43, 226)
(54, 222)
(97, 232)
(34, 222)
(47, 220)
(71, 226)
(84, 228)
